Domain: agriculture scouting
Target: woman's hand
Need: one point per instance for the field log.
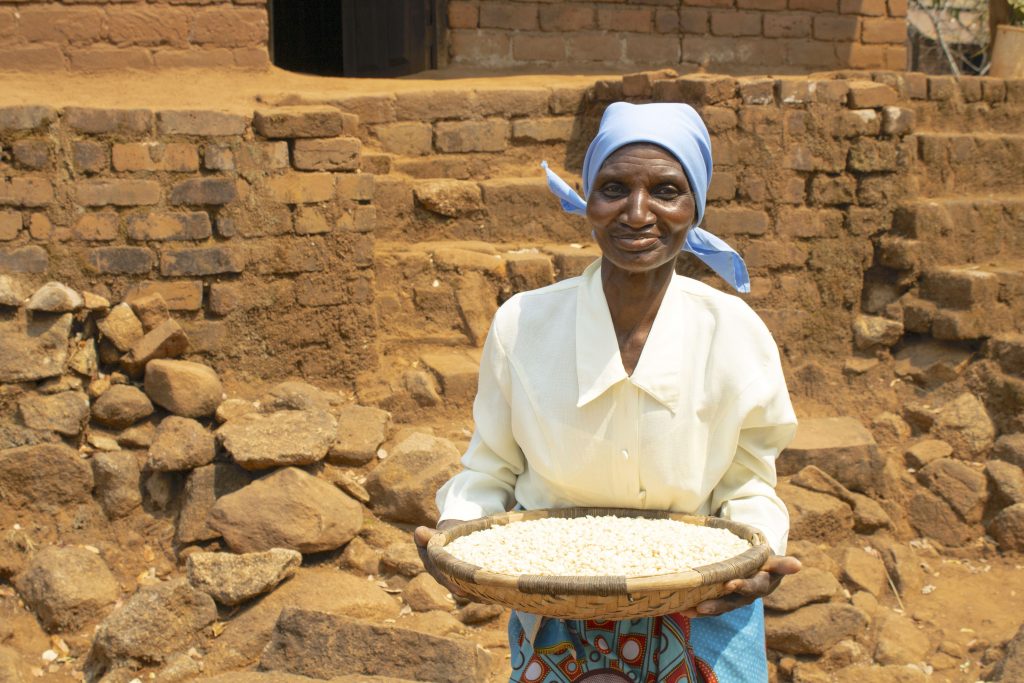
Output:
(422, 536)
(740, 592)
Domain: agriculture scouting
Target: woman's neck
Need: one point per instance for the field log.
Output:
(633, 302)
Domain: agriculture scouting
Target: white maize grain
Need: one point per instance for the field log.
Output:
(596, 546)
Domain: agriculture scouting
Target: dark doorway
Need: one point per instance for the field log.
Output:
(373, 38)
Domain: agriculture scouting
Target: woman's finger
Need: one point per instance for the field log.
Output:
(422, 535)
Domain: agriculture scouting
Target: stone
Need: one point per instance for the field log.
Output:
(267, 677)
(181, 443)
(138, 436)
(477, 301)
(864, 571)
(286, 509)
(361, 557)
(234, 407)
(402, 558)
(871, 332)
(901, 642)
(813, 629)
(933, 518)
(66, 412)
(161, 489)
(961, 486)
(422, 387)
(925, 451)
(402, 487)
(840, 446)
(1011, 667)
(183, 387)
(153, 624)
(166, 340)
(67, 587)
(298, 122)
(294, 395)
(1006, 482)
(1007, 528)
(424, 594)
(966, 426)
(33, 349)
(234, 579)
(12, 668)
(181, 667)
(808, 585)
(890, 429)
(867, 673)
(121, 327)
(54, 297)
(324, 645)
(44, 476)
(816, 516)
(931, 362)
(202, 489)
(84, 359)
(450, 198)
(279, 439)
(11, 292)
(868, 515)
(478, 613)
(120, 406)
(117, 477)
(1010, 448)
(361, 431)
(151, 309)
(346, 481)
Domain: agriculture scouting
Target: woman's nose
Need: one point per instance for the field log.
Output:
(638, 210)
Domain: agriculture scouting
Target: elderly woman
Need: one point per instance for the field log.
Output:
(631, 386)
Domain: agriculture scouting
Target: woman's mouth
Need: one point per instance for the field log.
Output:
(637, 242)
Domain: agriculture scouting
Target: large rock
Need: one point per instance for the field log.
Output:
(66, 412)
(900, 642)
(120, 327)
(1011, 667)
(1006, 481)
(402, 488)
(926, 450)
(117, 477)
(401, 558)
(181, 443)
(202, 489)
(54, 297)
(282, 438)
(183, 387)
(868, 515)
(296, 395)
(44, 476)
(120, 406)
(816, 516)
(324, 645)
(870, 673)
(963, 487)
(840, 446)
(286, 509)
(1007, 528)
(424, 594)
(12, 294)
(156, 622)
(361, 431)
(808, 585)
(33, 349)
(67, 587)
(150, 309)
(233, 579)
(813, 629)
(1010, 448)
(166, 340)
(864, 571)
(259, 677)
(934, 518)
(966, 426)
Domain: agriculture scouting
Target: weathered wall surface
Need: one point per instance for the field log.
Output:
(746, 36)
(99, 35)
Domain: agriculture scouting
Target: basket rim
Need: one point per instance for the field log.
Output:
(742, 565)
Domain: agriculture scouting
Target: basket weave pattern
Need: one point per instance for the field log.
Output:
(597, 597)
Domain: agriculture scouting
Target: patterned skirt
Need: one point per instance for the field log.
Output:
(725, 649)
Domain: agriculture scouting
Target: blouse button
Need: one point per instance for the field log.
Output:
(625, 454)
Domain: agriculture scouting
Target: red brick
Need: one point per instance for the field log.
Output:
(101, 121)
(142, 25)
(538, 48)
(737, 221)
(666, 21)
(897, 8)
(812, 53)
(644, 48)
(32, 58)
(203, 191)
(471, 136)
(60, 24)
(10, 225)
(510, 15)
(787, 25)
(96, 227)
(831, 6)
(867, 8)
(462, 14)
(326, 154)
(630, 19)
(766, 5)
(110, 59)
(301, 188)
(181, 295)
(203, 261)
(166, 225)
(733, 23)
(566, 17)
(477, 46)
(884, 31)
(200, 122)
(194, 57)
(694, 20)
(121, 260)
(229, 27)
(155, 156)
(298, 122)
(30, 259)
(25, 191)
(836, 27)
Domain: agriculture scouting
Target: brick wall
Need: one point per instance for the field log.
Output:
(97, 35)
(257, 230)
(742, 36)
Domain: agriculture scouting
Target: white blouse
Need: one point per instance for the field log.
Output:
(695, 429)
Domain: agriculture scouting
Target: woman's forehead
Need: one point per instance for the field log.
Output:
(642, 152)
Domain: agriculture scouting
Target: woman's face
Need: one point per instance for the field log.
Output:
(641, 207)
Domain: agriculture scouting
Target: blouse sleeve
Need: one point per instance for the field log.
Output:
(493, 461)
(746, 493)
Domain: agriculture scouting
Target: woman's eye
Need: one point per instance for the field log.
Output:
(613, 190)
(666, 192)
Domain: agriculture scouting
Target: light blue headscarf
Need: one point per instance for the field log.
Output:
(679, 129)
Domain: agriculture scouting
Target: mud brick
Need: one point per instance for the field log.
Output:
(117, 192)
(218, 159)
(364, 218)
(155, 156)
(538, 48)
(301, 188)
(566, 17)
(868, 8)
(917, 85)
(631, 19)
(158, 226)
(408, 138)
(567, 100)
(90, 156)
(808, 223)
(666, 21)
(707, 89)
(229, 27)
(734, 23)
(848, 123)
(30, 259)
(203, 192)
(259, 157)
(224, 298)
(141, 25)
(298, 122)
(326, 154)
(941, 88)
(830, 92)
(25, 191)
(508, 15)
(122, 260)
(860, 56)
(762, 121)
(103, 121)
(884, 31)
(763, 5)
(355, 186)
(794, 91)
(25, 118)
(369, 108)
(204, 261)
(737, 221)
(319, 290)
(993, 89)
(833, 190)
(508, 102)
(867, 95)
(970, 89)
(694, 20)
(643, 48)
(471, 136)
(897, 121)
(709, 3)
(723, 186)
(811, 53)
(543, 129)
(180, 295)
(96, 227)
(256, 57)
(200, 122)
(462, 14)
(836, 27)
(193, 58)
(40, 227)
(760, 91)
(32, 58)
(529, 271)
(10, 225)
(309, 221)
(775, 254)
(281, 258)
(787, 25)
(594, 47)
(432, 105)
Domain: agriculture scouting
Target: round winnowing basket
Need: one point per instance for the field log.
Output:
(596, 597)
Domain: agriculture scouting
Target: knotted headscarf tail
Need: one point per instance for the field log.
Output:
(679, 129)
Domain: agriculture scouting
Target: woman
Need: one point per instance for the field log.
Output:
(631, 386)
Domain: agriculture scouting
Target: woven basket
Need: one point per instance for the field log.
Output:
(596, 597)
